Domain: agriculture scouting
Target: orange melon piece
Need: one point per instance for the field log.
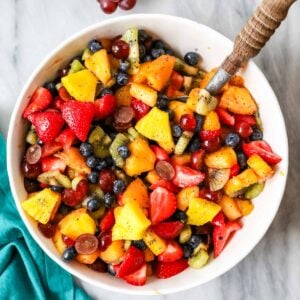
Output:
(114, 252)
(181, 160)
(230, 208)
(245, 206)
(141, 75)
(123, 96)
(179, 110)
(211, 121)
(88, 259)
(224, 158)
(136, 191)
(152, 177)
(185, 195)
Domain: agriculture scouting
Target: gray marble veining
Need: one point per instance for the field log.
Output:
(30, 29)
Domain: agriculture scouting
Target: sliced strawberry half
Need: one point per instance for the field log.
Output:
(63, 94)
(160, 153)
(50, 148)
(108, 221)
(234, 170)
(207, 135)
(58, 103)
(133, 260)
(78, 116)
(172, 253)
(139, 107)
(105, 106)
(225, 117)
(165, 184)
(245, 118)
(186, 176)
(218, 220)
(163, 204)
(39, 101)
(169, 269)
(139, 277)
(263, 149)
(66, 138)
(168, 230)
(51, 163)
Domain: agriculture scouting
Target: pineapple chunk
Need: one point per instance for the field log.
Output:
(99, 64)
(88, 259)
(77, 223)
(42, 206)
(142, 158)
(114, 253)
(211, 121)
(185, 195)
(260, 167)
(179, 109)
(230, 208)
(58, 241)
(224, 158)
(81, 85)
(131, 223)
(155, 243)
(143, 93)
(201, 211)
(156, 126)
(245, 206)
(152, 177)
(193, 99)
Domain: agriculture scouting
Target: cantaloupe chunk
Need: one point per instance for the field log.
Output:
(245, 206)
(185, 195)
(113, 253)
(224, 158)
(230, 208)
(123, 96)
(179, 109)
(88, 259)
(260, 167)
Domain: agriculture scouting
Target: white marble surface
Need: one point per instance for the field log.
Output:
(29, 29)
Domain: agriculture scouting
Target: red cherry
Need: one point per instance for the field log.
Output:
(104, 240)
(47, 230)
(120, 49)
(106, 180)
(73, 198)
(108, 6)
(209, 195)
(127, 4)
(188, 122)
(69, 242)
(139, 107)
(105, 106)
(197, 159)
(211, 145)
(243, 129)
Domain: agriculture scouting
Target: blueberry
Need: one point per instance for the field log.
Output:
(180, 216)
(155, 53)
(200, 121)
(171, 114)
(93, 203)
(124, 66)
(102, 164)
(187, 251)
(50, 86)
(139, 244)
(122, 78)
(242, 159)
(93, 177)
(106, 91)
(109, 162)
(119, 186)
(147, 58)
(158, 44)
(162, 102)
(192, 58)
(194, 145)
(176, 131)
(257, 134)
(92, 161)
(232, 139)
(170, 52)
(86, 149)
(94, 46)
(109, 200)
(111, 270)
(143, 35)
(194, 241)
(63, 209)
(57, 188)
(124, 151)
(142, 51)
(69, 254)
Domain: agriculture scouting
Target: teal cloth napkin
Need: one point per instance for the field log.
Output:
(26, 272)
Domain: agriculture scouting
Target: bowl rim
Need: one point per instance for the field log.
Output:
(70, 269)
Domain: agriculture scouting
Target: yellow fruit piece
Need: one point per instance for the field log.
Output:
(181, 160)
(230, 208)
(237, 80)
(239, 182)
(99, 64)
(260, 167)
(42, 206)
(141, 75)
(141, 159)
(224, 158)
(245, 206)
(130, 222)
(123, 96)
(143, 93)
(156, 126)
(193, 99)
(88, 259)
(114, 253)
(238, 101)
(77, 223)
(179, 109)
(211, 121)
(149, 256)
(81, 85)
(58, 241)
(136, 191)
(169, 146)
(155, 243)
(185, 195)
(114, 63)
(201, 211)
(152, 177)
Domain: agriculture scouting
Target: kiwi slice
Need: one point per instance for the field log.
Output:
(76, 66)
(185, 234)
(217, 178)
(199, 260)
(100, 142)
(187, 84)
(32, 137)
(183, 142)
(206, 102)
(118, 141)
(55, 178)
(182, 67)
(254, 190)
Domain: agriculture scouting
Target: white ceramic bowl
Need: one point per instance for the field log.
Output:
(183, 35)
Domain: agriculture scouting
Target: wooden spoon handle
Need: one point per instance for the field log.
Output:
(256, 33)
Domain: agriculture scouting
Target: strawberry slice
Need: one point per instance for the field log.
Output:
(50, 148)
(222, 233)
(79, 116)
(63, 94)
(51, 163)
(48, 124)
(169, 269)
(137, 278)
(139, 107)
(66, 138)
(218, 220)
(172, 253)
(163, 204)
(207, 135)
(105, 106)
(39, 101)
(160, 153)
(168, 230)
(263, 149)
(186, 176)
(108, 221)
(234, 170)
(133, 260)
(165, 184)
(245, 118)
(225, 117)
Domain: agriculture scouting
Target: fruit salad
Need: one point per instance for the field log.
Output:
(132, 168)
